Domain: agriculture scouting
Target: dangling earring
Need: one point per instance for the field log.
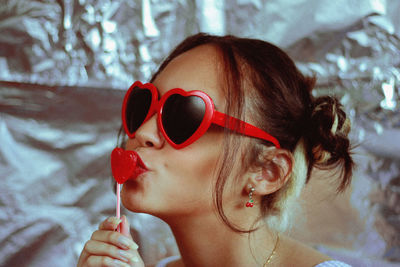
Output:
(250, 203)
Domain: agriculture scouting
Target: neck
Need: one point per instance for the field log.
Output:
(206, 241)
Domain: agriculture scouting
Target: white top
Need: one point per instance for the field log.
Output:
(333, 263)
(165, 261)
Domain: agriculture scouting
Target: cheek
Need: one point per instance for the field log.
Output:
(197, 167)
(201, 159)
(193, 170)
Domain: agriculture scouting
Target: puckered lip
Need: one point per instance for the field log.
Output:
(140, 167)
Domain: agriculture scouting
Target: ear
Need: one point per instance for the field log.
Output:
(274, 174)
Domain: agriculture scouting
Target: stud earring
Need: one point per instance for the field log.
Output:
(250, 203)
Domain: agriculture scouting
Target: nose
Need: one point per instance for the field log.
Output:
(148, 134)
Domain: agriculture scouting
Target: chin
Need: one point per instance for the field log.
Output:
(130, 196)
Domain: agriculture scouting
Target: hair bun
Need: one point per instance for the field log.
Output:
(329, 145)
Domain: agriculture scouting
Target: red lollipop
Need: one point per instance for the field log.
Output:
(123, 167)
(123, 164)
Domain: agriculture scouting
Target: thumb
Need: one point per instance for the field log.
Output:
(125, 227)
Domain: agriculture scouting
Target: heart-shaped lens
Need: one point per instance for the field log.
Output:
(137, 108)
(182, 116)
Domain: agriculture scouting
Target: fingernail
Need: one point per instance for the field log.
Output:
(135, 259)
(127, 243)
(114, 220)
(134, 246)
(125, 256)
(118, 263)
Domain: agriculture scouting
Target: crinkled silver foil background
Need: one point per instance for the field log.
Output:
(64, 66)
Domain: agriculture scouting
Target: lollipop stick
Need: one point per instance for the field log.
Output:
(118, 204)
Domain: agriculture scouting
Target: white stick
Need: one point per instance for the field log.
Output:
(118, 208)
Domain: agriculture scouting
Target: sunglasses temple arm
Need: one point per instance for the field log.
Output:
(242, 127)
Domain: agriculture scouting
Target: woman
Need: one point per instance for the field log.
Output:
(228, 193)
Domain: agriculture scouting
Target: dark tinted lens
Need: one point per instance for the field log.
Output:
(137, 107)
(182, 116)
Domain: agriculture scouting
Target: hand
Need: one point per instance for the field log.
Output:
(107, 247)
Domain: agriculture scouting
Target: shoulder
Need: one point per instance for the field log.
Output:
(300, 253)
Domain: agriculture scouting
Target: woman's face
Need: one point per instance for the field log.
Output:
(179, 182)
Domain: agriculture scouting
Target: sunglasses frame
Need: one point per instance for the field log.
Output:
(211, 116)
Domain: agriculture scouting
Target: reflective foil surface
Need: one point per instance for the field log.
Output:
(64, 67)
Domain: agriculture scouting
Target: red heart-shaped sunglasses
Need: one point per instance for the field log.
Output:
(183, 117)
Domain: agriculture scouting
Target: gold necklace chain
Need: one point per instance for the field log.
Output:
(273, 251)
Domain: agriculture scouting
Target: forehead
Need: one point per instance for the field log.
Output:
(196, 69)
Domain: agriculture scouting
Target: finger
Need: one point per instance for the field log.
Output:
(125, 230)
(125, 227)
(114, 238)
(135, 259)
(111, 223)
(98, 248)
(104, 261)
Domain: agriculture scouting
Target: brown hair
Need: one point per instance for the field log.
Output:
(280, 102)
